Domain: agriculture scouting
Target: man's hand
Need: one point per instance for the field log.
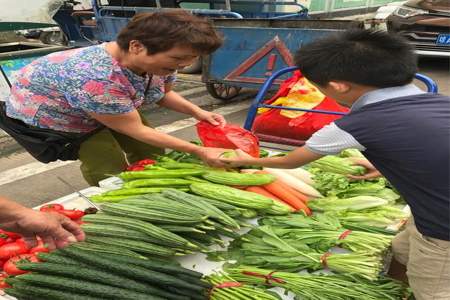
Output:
(237, 158)
(213, 118)
(56, 230)
(211, 156)
(371, 172)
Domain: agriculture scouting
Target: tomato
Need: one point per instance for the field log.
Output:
(3, 284)
(2, 262)
(51, 207)
(12, 249)
(72, 214)
(41, 247)
(3, 238)
(10, 266)
(10, 234)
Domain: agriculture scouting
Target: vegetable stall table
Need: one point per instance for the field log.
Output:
(197, 262)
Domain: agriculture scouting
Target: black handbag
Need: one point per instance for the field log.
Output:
(46, 145)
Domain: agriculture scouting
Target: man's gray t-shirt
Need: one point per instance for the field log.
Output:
(405, 134)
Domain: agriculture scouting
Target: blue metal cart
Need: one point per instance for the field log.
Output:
(258, 102)
(256, 48)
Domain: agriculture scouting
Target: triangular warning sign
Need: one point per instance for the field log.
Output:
(277, 44)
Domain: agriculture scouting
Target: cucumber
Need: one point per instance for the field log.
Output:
(117, 232)
(28, 291)
(154, 265)
(150, 215)
(84, 287)
(181, 165)
(136, 272)
(165, 237)
(199, 203)
(21, 295)
(160, 182)
(177, 228)
(57, 258)
(105, 248)
(179, 173)
(133, 245)
(96, 276)
(190, 294)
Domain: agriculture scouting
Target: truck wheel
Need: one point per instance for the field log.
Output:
(195, 68)
(53, 38)
(222, 91)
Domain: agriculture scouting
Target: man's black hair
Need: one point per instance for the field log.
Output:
(366, 57)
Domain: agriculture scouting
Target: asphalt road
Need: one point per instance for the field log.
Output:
(32, 183)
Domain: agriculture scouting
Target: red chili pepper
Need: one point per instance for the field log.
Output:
(145, 162)
(135, 168)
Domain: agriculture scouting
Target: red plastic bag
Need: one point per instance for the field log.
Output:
(277, 122)
(228, 137)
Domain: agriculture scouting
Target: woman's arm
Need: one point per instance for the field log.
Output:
(174, 101)
(131, 124)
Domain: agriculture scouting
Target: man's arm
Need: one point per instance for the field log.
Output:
(294, 159)
(55, 230)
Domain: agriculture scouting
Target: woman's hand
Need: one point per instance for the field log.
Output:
(371, 172)
(211, 117)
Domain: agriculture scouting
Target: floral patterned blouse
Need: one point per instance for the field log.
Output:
(58, 91)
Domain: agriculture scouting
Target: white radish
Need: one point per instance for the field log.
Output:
(294, 182)
(301, 174)
(249, 171)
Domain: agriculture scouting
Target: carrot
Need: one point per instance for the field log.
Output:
(263, 192)
(280, 191)
(284, 192)
(299, 195)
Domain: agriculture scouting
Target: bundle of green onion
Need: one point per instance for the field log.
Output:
(226, 288)
(321, 287)
(347, 239)
(263, 247)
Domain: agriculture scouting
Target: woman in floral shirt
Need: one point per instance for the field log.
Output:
(79, 90)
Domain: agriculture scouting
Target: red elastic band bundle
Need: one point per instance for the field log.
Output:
(345, 234)
(223, 285)
(267, 277)
(323, 259)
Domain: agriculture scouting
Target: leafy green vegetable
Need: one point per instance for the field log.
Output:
(348, 204)
(338, 165)
(351, 153)
(328, 183)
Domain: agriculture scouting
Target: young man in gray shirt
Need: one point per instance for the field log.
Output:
(403, 132)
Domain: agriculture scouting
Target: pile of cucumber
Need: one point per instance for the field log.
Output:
(80, 274)
(166, 224)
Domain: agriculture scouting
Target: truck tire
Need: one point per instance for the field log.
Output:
(195, 68)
